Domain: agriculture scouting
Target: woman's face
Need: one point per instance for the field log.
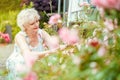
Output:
(32, 25)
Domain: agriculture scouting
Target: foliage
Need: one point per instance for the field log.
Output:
(10, 19)
(44, 7)
(43, 18)
(95, 57)
(11, 6)
(113, 14)
(110, 8)
(56, 67)
(48, 6)
(8, 15)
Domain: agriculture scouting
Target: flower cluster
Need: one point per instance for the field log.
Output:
(4, 37)
(109, 8)
(107, 4)
(67, 35)
(54, 19)
(92, 47)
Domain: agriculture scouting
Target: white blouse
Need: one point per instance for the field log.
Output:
(16, 58)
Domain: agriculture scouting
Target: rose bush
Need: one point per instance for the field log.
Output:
(92, 51)
(4, 38)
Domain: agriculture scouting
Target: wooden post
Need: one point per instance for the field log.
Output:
(59, 6)
(64, 9)
(9, 31)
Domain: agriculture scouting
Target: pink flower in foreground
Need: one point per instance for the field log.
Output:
(31, 76)
(76, 60)
(106, 3)
(54, 19)
(53, 42)
(69, 36)
(93, 42)
(84, 4)
(64, 33)
(22, 68)
(29, 59)
(73, 36)
(102, 50)
(109, 24)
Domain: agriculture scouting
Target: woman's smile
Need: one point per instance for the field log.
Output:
(35, 28)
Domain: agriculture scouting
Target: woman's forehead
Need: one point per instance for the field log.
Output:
(33, 19)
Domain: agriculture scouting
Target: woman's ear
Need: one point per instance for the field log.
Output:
(25, 26)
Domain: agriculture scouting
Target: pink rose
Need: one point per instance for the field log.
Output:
(105, 3)
(69, 36)
(6, 37)
(102, 50)
(93, 42)
(31, 76)
(54, 19)
(53, 42)
(30, 59)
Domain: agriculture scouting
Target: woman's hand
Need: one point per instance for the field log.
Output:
(51, 51)
(62, 47)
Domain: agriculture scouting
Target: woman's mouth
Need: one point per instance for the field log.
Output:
(36, 28)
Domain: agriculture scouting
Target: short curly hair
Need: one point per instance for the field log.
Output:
(25, 16)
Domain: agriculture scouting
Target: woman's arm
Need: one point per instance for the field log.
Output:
(46, 37)
(21, 42)
(51, 41)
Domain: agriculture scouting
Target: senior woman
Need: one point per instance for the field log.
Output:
(28, 41)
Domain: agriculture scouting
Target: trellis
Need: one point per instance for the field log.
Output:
(65, 5)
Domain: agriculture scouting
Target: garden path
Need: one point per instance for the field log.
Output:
(5, 51)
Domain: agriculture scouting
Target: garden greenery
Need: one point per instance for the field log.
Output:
(95, 57)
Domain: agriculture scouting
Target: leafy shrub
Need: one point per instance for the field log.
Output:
(46, 5)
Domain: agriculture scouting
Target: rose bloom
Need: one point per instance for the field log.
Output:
(107, 4)
(101, 52)
(31, 76)
(93, 42)
(6, 37)
(109, 24)
(30, 59)
(54, 19)
(84, 4)
(22, 68)
(53, 42)
(69, 36)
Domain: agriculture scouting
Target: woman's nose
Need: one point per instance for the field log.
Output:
(36, 24)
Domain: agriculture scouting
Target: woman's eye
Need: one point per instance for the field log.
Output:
(37, 21)
(34, 22)
(31, 23)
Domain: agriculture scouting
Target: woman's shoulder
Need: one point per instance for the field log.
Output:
(20, 34)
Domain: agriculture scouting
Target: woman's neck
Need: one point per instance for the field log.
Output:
(33, 37)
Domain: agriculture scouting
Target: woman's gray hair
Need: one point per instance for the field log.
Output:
(25, 16)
